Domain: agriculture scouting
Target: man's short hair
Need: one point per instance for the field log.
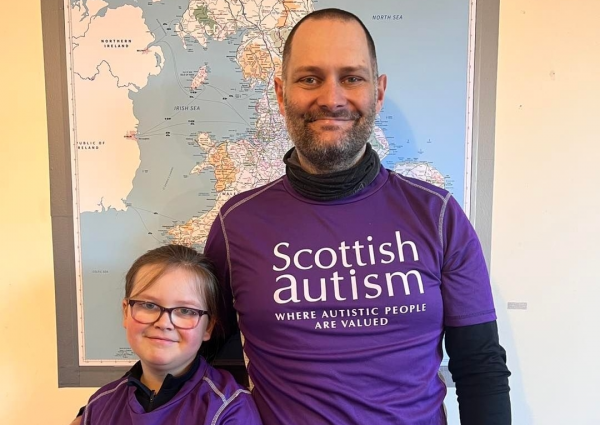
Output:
(323, 14)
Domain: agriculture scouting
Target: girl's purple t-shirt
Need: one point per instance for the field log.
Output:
(210, 397)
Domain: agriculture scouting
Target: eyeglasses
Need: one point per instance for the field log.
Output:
(181, 317)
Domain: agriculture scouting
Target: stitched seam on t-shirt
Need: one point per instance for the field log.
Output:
(227, 403)
(416, 185)
(85, 412)
(214, 388)
(242, 201)
(441, 223)
(222, 219)
(443, 198)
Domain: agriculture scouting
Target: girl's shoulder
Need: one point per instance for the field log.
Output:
(223, 383)
(109, 389)
(110, 397)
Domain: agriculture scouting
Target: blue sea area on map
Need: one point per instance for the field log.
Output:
(112, 240)
(398, 133)
(170, 117)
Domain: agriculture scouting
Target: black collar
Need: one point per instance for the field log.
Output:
(151, 400)
(332, 186)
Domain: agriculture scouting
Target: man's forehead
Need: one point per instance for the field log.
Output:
(329, 28)
(320, 41)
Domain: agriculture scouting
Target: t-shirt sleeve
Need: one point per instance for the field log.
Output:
(466, 290)
(241, 411)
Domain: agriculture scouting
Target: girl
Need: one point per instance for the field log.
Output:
(170, 305)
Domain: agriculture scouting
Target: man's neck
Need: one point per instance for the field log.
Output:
(312, 169)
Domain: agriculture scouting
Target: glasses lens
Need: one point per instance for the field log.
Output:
(185, 318)
(145, 312)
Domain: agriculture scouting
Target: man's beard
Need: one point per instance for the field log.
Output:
(326, 156)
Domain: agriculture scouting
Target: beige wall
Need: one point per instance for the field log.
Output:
(546, 219)
(28, 354)
(546, 216)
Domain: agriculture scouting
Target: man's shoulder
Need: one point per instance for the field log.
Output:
(419, 187)
(252, 195)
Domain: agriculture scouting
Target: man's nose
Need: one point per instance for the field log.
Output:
(331, 95)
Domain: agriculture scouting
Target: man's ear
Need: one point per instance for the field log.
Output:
(279, 93)
(381, 86)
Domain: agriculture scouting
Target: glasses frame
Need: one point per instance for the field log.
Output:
(201, 313)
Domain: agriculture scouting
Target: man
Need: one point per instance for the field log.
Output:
(345, 276)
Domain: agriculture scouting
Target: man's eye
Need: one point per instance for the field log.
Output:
(186, 312)
(353, 80)
(308, 80)
(148, 306)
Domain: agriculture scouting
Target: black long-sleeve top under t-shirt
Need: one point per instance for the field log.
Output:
(478, 367)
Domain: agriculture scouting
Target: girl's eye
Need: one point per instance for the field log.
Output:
(187, 312)
(148, 306)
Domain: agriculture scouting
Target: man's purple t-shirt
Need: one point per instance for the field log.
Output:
(342, 304)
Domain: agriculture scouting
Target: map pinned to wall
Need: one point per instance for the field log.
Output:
(173, 111)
